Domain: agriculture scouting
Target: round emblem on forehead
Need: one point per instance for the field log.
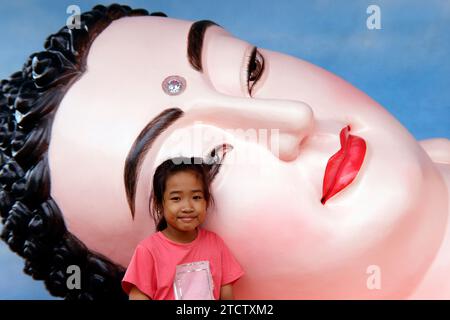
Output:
(174, 85)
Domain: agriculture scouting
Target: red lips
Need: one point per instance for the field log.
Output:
(344, 165)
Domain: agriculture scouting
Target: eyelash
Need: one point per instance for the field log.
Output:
(178, 198)
(254, 69)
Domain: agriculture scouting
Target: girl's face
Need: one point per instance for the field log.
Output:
(184, 201)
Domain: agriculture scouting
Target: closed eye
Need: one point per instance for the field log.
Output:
(255, 68)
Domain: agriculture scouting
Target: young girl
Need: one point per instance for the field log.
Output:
(181, 260)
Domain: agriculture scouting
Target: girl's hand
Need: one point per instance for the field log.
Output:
(226, 292)
(136, 294)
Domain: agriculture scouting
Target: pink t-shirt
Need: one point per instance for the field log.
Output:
(153, 267)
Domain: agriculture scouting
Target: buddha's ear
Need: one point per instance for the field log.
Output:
(438, 149)
(214, 159)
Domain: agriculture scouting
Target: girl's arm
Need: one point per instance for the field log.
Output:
(136, 294)
(226, 292)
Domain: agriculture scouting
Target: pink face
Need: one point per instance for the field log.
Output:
(269, 189)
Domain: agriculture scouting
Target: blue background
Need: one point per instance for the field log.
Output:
(405, 66)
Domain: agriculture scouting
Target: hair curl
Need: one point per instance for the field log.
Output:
(33, 225)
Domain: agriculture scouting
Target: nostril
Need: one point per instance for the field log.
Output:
(216, 157)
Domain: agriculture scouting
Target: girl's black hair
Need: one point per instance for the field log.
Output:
(166, 170)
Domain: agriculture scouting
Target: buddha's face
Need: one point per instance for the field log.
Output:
(389, 210)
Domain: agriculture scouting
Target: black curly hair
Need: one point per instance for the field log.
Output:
(33, 225)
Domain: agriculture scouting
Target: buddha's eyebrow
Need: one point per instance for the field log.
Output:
(140, 148)
(196, 36)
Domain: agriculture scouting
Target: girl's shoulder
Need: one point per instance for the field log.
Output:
(208, 235)
(151, 240)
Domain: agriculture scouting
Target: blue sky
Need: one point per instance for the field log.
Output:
(405, 66)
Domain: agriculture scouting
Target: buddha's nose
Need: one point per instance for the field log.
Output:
(288, 121)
